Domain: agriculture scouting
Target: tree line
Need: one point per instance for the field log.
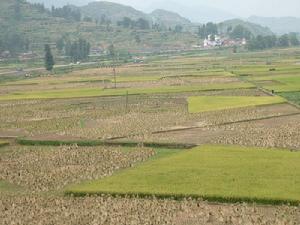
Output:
(67, 13)
(77, 50)
(14, 42)
(237, 32)
(264, 42)
(207, 29)
(140, 23)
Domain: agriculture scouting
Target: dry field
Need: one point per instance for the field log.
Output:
(100, 118)
(39, 169)
(125, 211)
(280, 132)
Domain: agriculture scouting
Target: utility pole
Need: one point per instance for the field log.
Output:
(126, 106)
(115, 76)
(113, 57)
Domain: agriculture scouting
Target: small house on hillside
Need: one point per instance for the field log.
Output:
(27, 56)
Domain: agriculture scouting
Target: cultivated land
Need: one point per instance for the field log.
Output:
(214, 103)
(75, 129)
(212, 172)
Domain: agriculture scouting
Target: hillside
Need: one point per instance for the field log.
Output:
(255, 29)
(37, 27)
(116, 12)
(111, 11)
(280, 25)
(32, 26)
(168, 18)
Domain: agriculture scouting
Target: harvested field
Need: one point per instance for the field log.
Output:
(51, 168)
(34, 210)
(208, 128)
(276, 132)
(281, 132)
(104, 118)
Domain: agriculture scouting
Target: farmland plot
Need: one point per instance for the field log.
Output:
(43, 168)
(246, 174)
(203, 104)
(111, 211)
(85, 107)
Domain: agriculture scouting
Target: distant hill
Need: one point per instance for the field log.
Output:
(60, 3)
(116, 12)
(279, 25)
(189, 9)
(112, 11)
(193, 10)
(168, 18)
(255, 29)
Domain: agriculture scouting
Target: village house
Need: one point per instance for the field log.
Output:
(212, 41)
(5, 55)
(27, 56)
(96, 51)
(215, 41)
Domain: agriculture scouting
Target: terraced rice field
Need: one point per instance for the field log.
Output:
(248, 142)
(280, 83)
(79, 93)
(209, 103)
(211, 172)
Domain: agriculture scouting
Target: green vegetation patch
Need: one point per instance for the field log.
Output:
(89, 143)
(213, 172)
(53, 80)
(281, 83)
(94, 92)
(292, 96)
(214, 103)
(3, 143)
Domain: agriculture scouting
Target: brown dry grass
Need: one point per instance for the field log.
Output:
(107, 210)
(51, 168)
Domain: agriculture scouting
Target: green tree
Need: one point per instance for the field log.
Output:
(213, 37)
(240, 32)
(294, 39)
(60, 44)
(17, 10)
(49, 60)
(77, 50)
(178, 28)
(138, 39)
(111, 51)
(284, 41)
(126, 22)
(142, 24)
(211, 28)
(207, 29)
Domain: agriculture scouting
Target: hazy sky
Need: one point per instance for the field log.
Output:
(242, 8)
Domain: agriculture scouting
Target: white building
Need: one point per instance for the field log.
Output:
(212, 42)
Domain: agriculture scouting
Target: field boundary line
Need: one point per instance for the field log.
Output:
(89, 143)
(179, 197)
(208, 126)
